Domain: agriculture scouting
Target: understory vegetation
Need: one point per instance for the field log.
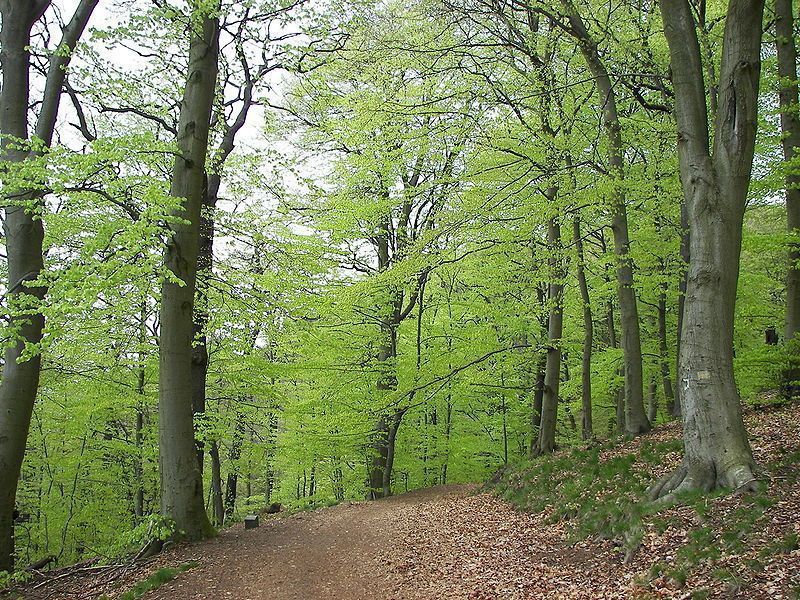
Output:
(703, 544)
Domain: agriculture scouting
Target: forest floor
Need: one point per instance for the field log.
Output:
(461, 542)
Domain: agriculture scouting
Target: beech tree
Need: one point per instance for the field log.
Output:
(715, 181)
(24, 231)
(181, 481)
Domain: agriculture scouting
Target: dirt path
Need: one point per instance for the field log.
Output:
(445, 542)
(340, 552)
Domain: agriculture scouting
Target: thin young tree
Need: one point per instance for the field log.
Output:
(587, 427)
(636, 421)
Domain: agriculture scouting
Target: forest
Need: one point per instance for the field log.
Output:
(282, 254)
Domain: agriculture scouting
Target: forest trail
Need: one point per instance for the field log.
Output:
(440, 542)
(340, 552)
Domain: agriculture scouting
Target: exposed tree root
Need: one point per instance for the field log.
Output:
(641, 429)
(703, 477)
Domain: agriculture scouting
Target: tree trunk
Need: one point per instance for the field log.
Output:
(448, 425)
(233, 473)
(552, 377)
(685, 252)
(541, 367)
(620, 393)
(790, 127)
(231, 493)
(382, 450)
(216, 485)
(337, 479)
(378, 458)
(382, 459)
(652, 399)
(181, 480)
(24, 234)
(666, 376)
(200, 315)
(715, 184)
(635, 418)
(269, 475)
(588, 336)
(504, 412)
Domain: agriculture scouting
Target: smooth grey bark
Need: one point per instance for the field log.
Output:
(200, 314)
(685, 255)
(587, 430)
(205, 257)
(715, 183)
(181, 480)
(24, 233)
(555, 325)
(635, 418)
(790, 141)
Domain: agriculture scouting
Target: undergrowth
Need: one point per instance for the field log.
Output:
(602, 494)
(597, 496)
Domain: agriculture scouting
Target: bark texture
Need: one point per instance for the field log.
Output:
(205, 257)
(181, 480)
(24, 234)
(676, 409)
(715, 183)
